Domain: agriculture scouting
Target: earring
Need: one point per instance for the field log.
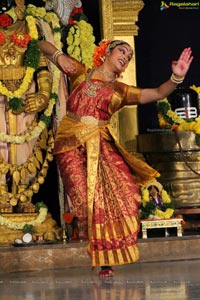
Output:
(102, 58)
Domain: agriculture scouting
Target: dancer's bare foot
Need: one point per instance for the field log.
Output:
(106, 271)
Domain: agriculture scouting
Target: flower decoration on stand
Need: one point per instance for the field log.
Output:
(156, 203)
(40, 218)
(169, 120)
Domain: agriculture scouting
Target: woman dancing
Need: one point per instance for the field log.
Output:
(100, 177)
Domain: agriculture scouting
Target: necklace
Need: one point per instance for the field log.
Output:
(106, 74)
(91, 87)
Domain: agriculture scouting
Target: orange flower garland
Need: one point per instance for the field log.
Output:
(100, 52)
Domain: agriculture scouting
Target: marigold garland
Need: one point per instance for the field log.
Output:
(40, 166)
(31, 61)
(149, 209)
(80, 35)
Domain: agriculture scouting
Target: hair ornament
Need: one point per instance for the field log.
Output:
(100, 53)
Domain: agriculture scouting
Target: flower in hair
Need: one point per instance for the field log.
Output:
(100, 52)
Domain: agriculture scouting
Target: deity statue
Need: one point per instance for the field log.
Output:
(63, 8)
(156, 203)
(33, 94)
(155, 196)
(25, 92)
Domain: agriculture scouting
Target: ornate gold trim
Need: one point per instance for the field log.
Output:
(118, 21)
(106, 19)
(119, 17)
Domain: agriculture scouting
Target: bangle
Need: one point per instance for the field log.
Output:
(55, 56)
(176, 79)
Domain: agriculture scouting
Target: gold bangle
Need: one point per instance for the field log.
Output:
(175, 79)
(55, 56)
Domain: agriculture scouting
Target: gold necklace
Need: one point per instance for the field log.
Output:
(91, 87)
(106, 74)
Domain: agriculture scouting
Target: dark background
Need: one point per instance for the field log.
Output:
(162, 35)
(161, 38)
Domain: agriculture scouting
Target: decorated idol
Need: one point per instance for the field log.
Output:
(26, 104)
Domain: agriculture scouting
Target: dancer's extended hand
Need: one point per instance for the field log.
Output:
(181, 66)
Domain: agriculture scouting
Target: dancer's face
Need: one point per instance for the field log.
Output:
(120, 56)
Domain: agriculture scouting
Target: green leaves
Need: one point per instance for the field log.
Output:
(28, 228)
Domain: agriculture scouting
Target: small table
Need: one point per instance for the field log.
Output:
(161, 223)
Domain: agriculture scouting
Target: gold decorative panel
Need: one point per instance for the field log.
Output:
(119, 17)
(118, 21)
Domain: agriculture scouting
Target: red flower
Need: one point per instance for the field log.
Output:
(2, 38)
(5, 20)
(21, 39)
(71, 21)
(76, 10)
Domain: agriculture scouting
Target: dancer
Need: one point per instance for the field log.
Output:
(102, 179)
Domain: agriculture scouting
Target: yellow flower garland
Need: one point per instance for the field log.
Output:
(169, 119)
(23, 87)
(36, 131)
(80, 35)
(29, 72)
(157, 213)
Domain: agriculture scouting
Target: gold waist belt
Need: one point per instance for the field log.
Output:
(88, 120)
(14, 73)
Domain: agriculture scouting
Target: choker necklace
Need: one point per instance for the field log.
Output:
(106, 74)
(91, 87)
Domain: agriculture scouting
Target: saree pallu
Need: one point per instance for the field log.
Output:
(96, 173)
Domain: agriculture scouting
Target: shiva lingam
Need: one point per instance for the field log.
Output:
(175, 154)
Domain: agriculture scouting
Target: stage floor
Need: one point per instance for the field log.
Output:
(175, 280)
(56, 255)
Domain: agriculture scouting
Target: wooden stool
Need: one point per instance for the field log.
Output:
(161, 223)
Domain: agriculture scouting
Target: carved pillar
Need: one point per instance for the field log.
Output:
(118, 21)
